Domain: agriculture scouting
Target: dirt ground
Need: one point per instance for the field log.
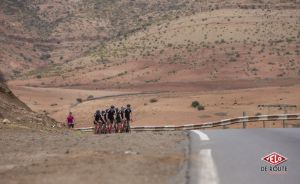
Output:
(170, 108)
(34, 156)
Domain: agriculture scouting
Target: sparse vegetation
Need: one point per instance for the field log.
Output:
(153, 100)
(45, 56)
(200, 107)
(156, 33)
(79, 100)
(195, 104)
(90, 97)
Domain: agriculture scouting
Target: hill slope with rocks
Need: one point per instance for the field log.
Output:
(99, 42)
(12, 110)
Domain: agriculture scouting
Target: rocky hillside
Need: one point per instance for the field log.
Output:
(75, 42)
(12, 110)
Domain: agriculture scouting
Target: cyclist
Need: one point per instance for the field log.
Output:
(97, 121)
(122, 112)
(111, 115)
(127, 113)
(104, 114)
(118, 120)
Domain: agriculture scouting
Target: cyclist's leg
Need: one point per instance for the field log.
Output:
(111, 123)
(114, 123)
(128, 125)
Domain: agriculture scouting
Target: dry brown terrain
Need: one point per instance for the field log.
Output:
(185, 50)
(128, 43)
(170, 108)
(30, 156)
(159, 56)
(37, 149)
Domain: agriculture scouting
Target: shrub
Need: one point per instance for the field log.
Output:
(153, 100)
(195, 104)
(90, 97)
(200, 107)
(79, 100)
(45, 56)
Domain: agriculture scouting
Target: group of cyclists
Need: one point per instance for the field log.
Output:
(113, 120)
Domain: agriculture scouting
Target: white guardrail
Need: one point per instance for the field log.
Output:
(223, 123)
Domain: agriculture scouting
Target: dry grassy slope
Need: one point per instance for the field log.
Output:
(64, 30)
(213, 45)
(189, 37)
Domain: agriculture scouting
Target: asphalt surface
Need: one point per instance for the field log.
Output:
(234, 156)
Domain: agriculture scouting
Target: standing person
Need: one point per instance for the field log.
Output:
(111, 116)
(128, 118)
(70, 120)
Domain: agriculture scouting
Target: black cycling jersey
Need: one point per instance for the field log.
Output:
(111, 114)
(105, 118)
(127, 113)
(118, 117)
(122, 114)
(98, 118)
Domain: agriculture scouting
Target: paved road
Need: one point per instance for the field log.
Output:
(234, 156)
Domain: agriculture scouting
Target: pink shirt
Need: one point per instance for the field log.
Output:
(70, 119)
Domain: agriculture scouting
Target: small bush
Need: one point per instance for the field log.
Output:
(200, 107)
(79, 100)
(38, 76)
(153, 100)
(45, 56)
(195, 104)
(90, 97)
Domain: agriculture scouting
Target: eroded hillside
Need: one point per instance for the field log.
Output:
(124, 43)
(12, 110)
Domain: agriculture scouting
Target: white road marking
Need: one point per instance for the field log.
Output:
(204, 163)
(202, 135)
(208, 172)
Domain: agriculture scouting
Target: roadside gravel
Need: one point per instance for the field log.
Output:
(34, 156)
